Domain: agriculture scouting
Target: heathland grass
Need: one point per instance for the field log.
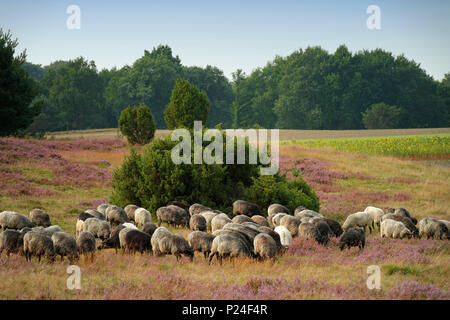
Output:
(67, 176)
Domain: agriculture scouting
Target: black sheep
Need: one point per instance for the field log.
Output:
(136, 240)
(353, 237)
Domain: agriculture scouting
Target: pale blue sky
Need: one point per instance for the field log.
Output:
(227, 34)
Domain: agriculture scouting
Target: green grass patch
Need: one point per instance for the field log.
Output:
(390, 269)
(409, 145)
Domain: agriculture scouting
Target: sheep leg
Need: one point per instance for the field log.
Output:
(211, 256)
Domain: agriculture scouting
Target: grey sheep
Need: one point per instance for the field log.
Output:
(130, 210)
(86, 245)
(201, 241)
(115, 215)
(14, 220)
(173, 215)
(308, 230)
(84, 215)
(275, 220)
(180, 204)
(99, 228)
(263, 229)
(176, 245)
(291, 223)
(307, 213)
(159, 233)
(65, 246)
(240, 218)
(96, 214)
(197, 208)
(38, 244)
(219, 221)
(405, 213)
(149, 228)
(102, 208)
(246, 208)
(227, 245)
(142, 216)
(264, 247)
(409, 224)
(262, 221)
(277, 208)
(208, 215)
(334, 226)
(197, 223)
(40, 218)
(11, 241)
(353, 237)
(324, 231)
(433, 228)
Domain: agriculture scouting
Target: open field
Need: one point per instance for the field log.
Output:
(67, 176)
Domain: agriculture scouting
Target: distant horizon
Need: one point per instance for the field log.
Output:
(231, 35)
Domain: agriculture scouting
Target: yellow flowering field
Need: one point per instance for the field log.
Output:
(411, 145)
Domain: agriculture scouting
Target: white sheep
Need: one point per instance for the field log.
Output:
(394, 229)
(285, 236)
(358, 219)
(376, 214)
(142, 216)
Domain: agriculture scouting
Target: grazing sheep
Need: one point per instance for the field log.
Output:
(38, 244)
(307, 213)
(173, 215)
(136, 240)
(201, 241)
(248, 232)
(434, 229)
(291, 223)
(324, 231)
(264, 247)
(86, 244)
(102, 208)
(353, 237)
(409, 224)
(308, 230)
(240, 218)
(277, 218)
(246, 208)
(180, 204)
(334, 226)
(176, 245)
(208, 215)
(11, 241)
(219, 221)
(389, 215)
(130, 225)
(149, 228)
(358, 219)
(113, 241)
(65, 246)
(262, 221)
(84, 215)
(130, 210)
(115, 215)
(40, 218)
(402, 212)
(447, 223)
(228, 245)
(267, 230)
(376, 214)
(394, 229)
(285, 236)
(159, 233)
(277, 208)
(122, 235)
(96, 214)
(142, 216)
(197, 223)
(79, 227)
(14, 220)
(197, 208)
(99, 228)
(52, 229)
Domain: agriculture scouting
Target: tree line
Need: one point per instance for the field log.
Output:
(309, 89)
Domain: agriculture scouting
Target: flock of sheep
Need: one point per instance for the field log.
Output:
(213, 233)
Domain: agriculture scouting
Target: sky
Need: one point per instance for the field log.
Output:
(228, 34)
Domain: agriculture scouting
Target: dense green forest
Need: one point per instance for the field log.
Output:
(309, 89)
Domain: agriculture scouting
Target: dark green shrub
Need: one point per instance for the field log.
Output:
(381, 116)
(187, 104)
(277, 189)
(137, 124)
